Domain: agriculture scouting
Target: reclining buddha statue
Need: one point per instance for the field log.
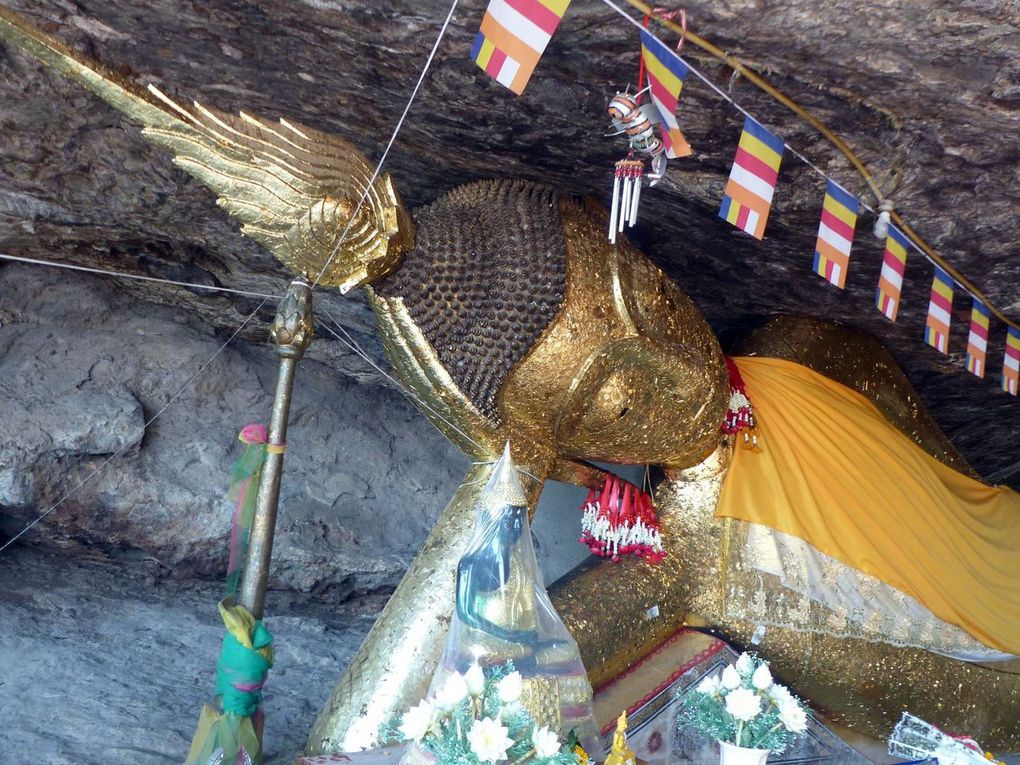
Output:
(855, 549)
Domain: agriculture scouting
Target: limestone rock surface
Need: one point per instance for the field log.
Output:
(85, 369)
(109, 665)
(927, 92)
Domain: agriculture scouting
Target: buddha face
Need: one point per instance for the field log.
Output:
(628, 371)
(643, 401)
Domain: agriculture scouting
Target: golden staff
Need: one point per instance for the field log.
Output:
(292, 333)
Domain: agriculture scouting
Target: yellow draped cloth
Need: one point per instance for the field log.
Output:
(837, 474)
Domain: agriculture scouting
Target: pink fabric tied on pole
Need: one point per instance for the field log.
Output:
(244, 483)
(254, 433)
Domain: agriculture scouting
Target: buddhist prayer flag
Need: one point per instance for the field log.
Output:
(977, 341)
(513, 37)
(666, 73)
(748, 196)
(836, 234)
(890, 280)
(940, 310)
(1011, 367)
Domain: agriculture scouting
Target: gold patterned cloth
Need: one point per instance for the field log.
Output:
(837, 475)
(779, 580)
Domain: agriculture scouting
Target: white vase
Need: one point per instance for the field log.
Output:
(730, 754)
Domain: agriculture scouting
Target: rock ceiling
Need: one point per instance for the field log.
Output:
(927, 92)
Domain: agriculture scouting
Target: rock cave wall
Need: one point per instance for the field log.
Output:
(83, 366)
(925, 90)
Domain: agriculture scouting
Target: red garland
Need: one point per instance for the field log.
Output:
(619, 519)
(739, 413)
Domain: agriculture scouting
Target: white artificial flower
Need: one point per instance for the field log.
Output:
(743, 704)
(762, 677)
(779, 694)
(489, 740)
(546, 742)
(744, 664)
(509, 710)
(949, 754)
(793, 716)
(509, 688)
(475, 679)
(730, 678)
(360, 736)
(710, 686)
(417, 720)
(454, 691)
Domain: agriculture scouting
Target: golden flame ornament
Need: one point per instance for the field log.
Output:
(621, 754)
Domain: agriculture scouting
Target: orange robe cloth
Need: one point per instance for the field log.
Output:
(836, 473)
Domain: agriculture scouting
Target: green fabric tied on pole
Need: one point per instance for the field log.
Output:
(241, 671)
(244, 484)
(246, 657)
(234, 725)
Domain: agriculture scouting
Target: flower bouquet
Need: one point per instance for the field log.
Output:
(747, 712)
(477, 717)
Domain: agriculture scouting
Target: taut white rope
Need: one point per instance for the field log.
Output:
(351, 343)
(726, 97)
(336, 249)
(140, 277)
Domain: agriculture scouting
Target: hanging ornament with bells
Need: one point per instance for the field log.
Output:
(638, 123)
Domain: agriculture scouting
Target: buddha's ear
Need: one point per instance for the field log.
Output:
(628, 388)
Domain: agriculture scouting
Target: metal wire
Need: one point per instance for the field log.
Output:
(128, 443)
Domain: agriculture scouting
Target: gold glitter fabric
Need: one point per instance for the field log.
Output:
(862, 684)
(860, 362)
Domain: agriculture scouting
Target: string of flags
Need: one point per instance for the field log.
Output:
(836, 234)
(747, 198)
(890, 279)
(666, 74)
(940, 312)
(513, 37)
(1011, 367)
(977, 339)
(509, 44)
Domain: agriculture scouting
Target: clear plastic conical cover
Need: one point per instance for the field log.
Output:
(503, 613)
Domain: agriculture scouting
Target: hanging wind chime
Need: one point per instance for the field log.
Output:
(638, 121)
